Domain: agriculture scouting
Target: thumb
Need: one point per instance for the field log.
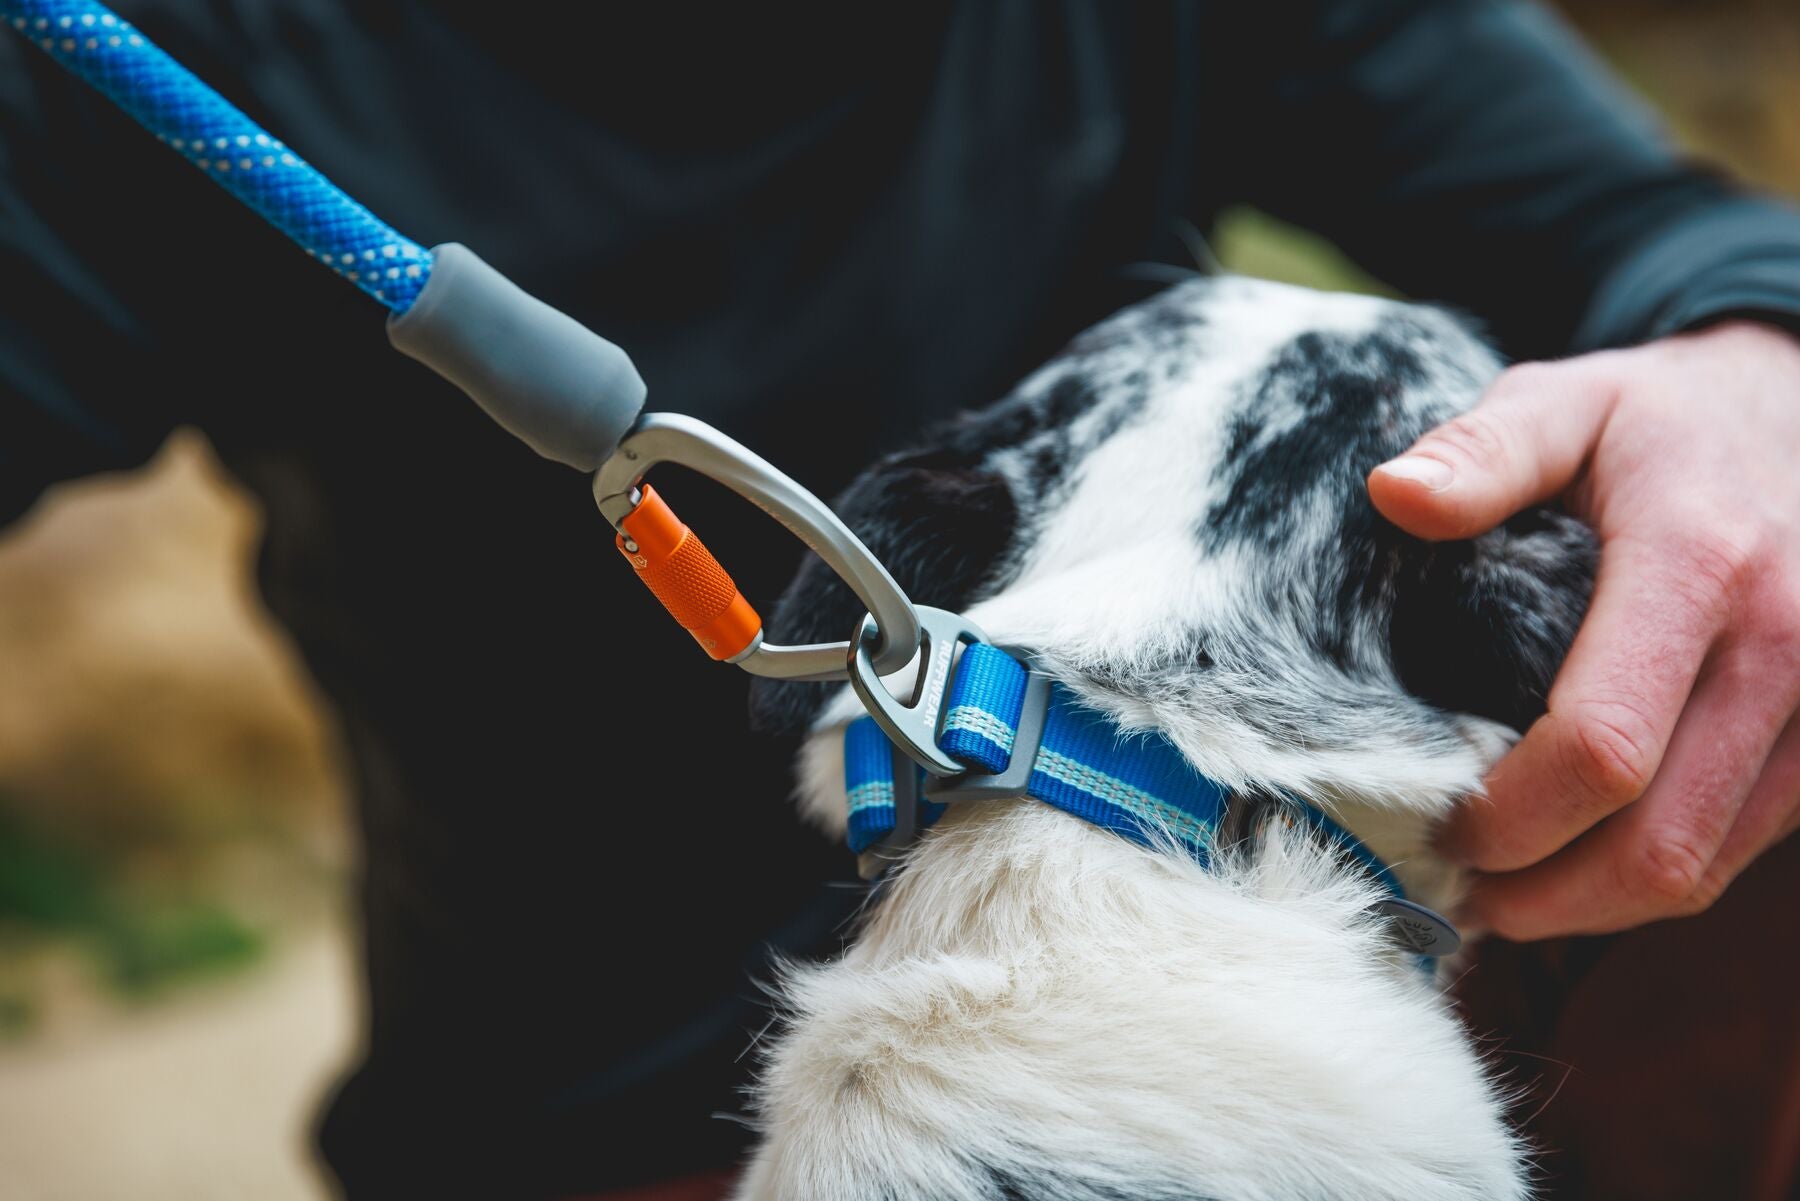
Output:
(1523, 443)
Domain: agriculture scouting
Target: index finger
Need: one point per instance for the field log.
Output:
(1611, 712)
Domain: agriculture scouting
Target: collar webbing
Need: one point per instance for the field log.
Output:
(1072, 757)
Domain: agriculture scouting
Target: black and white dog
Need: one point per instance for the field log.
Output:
(1171, 517)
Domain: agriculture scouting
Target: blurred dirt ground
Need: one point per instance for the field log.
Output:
(176, 988)
(207, 1100)
(176, 975)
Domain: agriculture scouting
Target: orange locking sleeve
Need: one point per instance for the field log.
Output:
(682, 574)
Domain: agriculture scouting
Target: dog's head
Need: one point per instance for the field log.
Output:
(1172, 516)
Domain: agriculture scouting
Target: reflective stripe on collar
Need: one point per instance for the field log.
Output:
(1074, 758)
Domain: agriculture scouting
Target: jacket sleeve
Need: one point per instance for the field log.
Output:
(1473, 152)
(84, 385)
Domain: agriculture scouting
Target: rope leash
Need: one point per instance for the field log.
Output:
(568, 393)
(233, 151)
(980, 724)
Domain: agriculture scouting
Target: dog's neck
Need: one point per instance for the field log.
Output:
(1398, 835)
(1016, 734)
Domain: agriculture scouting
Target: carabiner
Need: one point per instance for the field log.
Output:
(699, 593)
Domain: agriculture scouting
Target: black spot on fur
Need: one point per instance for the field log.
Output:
(1056, 447)
(1477, 627)
(1481, 627)
(1324, 411)
(1069, 398)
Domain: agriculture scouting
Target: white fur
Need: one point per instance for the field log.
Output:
(1039, 1001)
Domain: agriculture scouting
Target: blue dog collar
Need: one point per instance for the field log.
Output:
(1019, 734)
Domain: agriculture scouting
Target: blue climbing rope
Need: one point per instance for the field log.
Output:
(558, 386)
(240, 156)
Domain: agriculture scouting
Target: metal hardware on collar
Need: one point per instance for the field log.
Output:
(970, 785)
(1031, 738)
(671, 438)
(912, 725)
(874, 861)
(1015, 781)
(1420, 930)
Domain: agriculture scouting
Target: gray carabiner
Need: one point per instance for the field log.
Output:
(672, 438)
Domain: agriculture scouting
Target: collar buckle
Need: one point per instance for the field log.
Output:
(920, 793)
(1015, 779)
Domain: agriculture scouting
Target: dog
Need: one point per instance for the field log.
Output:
(1170, 518)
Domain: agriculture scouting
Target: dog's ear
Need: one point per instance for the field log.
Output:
(941, 523)
(1482, 626)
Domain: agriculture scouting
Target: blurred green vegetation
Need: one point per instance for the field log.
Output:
(138, 938)
(1250, 242)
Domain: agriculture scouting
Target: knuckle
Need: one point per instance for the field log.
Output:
(1723, 559)
(1611, 753)
(1780, 619)
(1475, 437)
(1706, 893)
(1671, 868)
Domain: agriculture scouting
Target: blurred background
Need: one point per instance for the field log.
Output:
(177, 957)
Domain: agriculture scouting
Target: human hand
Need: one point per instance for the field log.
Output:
(1669, 757)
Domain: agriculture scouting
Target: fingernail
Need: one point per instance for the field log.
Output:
(1434, 475)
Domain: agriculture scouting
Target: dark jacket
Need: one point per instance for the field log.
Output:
(816, 229)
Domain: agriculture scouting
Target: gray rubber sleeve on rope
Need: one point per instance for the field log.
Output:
(565, 391)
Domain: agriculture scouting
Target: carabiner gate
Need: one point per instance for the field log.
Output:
(700, 594)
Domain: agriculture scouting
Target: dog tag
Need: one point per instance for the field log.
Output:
(1419, 929)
